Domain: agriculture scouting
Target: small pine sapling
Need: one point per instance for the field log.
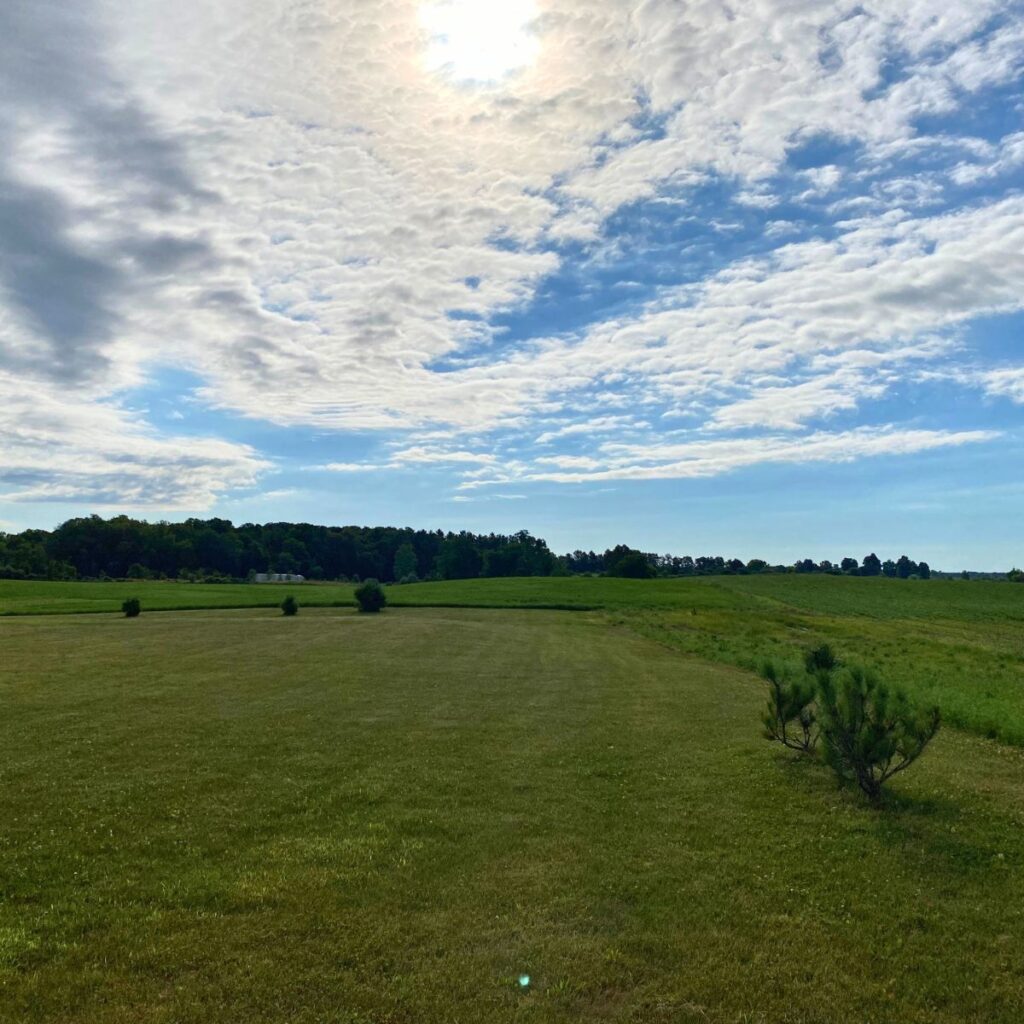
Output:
(789, 717)
(132, 608)
(289, 606)
(870, 732)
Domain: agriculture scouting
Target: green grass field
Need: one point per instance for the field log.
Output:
(232, 816)
(957, 644)
(45, 598)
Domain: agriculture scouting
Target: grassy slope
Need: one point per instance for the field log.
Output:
(349, 819)
(959, 645)
(954, 643)
(880, 598)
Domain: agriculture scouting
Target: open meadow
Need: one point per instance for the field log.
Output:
(954, 643)
(231, 815)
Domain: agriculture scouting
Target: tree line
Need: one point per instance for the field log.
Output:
(217, 550)
(624, 561)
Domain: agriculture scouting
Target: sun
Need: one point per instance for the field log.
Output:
(479, 41)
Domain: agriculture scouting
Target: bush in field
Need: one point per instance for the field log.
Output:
(370, 596)
(820, 659)
(870, 731)
(790, 717)
(289, 606)
(132, 608)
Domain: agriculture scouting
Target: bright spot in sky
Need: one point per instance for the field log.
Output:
(479, 40)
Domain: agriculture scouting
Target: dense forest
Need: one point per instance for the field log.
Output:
(217, 550)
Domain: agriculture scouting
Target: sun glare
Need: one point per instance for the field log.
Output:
(479, 40)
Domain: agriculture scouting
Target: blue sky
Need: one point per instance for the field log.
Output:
(699, 279)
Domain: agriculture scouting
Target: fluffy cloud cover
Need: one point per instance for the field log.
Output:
(677, 239)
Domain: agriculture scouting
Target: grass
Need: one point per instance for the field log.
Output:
(389, 819)
(953, 643)
(20, 597)
(880, 598)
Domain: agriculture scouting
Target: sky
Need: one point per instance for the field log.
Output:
(700, 277)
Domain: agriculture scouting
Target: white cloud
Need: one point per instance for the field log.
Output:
(712, 458)
(592, 425)
(1008, 156)
(568, 461)
(1008, 383)
(789, 407)
(440, 455)
(57, 449)
(348, 467)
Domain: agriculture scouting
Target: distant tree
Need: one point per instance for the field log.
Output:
(289, 606)
(459, 558)
(965, 575)
(370, 596)
(869, 731)
(61, 571)
(849, 566)
(709, 565)
(735, 567)
(132, 608)
(286, 563)
(1015, 576)
(924, 570)
(634, 565)
(137, 572)
(889, 568)
(806, 565)
(905, 568)
(756, 565)
(871, 566)
(405, 562)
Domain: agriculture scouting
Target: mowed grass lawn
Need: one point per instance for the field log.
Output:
(953, 643)
(234, 816)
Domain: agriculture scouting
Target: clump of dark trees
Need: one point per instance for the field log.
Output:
(215, 550)
(868, 730)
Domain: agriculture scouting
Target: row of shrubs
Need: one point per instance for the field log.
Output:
(370, 597)
(868, 731)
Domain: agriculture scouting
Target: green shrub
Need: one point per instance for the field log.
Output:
(870, 731)
(370, 596)
(820, 659)
(132, 608)
(289, 606)
(790, 717)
